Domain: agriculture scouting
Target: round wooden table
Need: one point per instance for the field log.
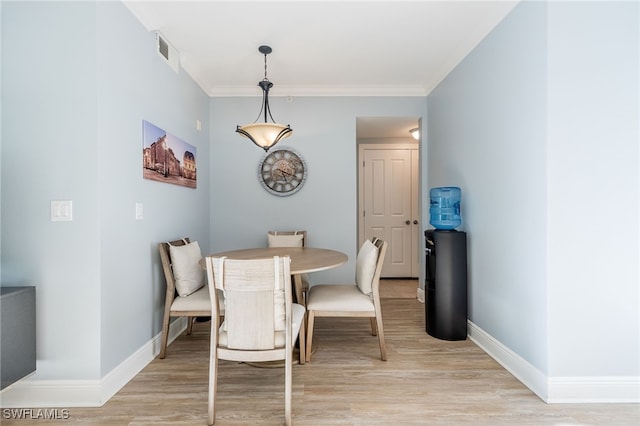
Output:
(303, 260)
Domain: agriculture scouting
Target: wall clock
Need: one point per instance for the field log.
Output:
(282, 171)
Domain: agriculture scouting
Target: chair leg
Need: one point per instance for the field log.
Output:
(310, 320)
(302, 340)
(190, 324)
(305, 293)
(165, 337)
(383, 348)
(298, 287)
(288, 375)
(374, 330)
(213, 384)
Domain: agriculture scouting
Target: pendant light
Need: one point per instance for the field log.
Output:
(266, 134)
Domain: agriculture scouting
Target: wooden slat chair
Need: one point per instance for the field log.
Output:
(260, 321)
(361, 299)
(194, 305)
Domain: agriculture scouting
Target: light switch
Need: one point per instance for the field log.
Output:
(139, 211)
(61, 210)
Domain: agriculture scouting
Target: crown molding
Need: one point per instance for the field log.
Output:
(285, 91)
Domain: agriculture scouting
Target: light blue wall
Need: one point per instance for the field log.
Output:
(486, 135)
(538, 125)
(594, 189)
(135, 84)
(324, 133)
(78, 78)
(50, 152)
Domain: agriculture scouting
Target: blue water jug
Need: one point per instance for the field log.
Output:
(444, 209)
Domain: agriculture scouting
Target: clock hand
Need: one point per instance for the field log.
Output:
(283, 173)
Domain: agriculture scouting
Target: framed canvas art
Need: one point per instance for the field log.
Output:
(167, 158)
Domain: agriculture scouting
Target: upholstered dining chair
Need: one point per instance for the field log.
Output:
(361, 299)
(187, 294)
(292, 239)
(260, 321)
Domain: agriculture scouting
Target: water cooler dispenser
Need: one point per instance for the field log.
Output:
(446, 268)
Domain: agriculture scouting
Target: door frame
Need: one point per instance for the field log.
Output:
(415, 241)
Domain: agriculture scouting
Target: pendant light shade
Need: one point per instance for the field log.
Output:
(415, 133)
(265, 134)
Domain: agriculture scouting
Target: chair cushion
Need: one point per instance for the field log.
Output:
(187, 271)
(196, 301)
(366, 266)
(338, 298)
(287, 240)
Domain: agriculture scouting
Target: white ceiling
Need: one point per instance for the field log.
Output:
(321, 48)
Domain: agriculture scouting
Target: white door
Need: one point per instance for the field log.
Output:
(389, 206)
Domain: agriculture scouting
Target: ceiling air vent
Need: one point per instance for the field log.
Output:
(167, 52)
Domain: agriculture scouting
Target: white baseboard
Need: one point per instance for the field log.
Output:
(530, 376)
(575, 390)
(420, 295)
(594, 390)
(29, 393)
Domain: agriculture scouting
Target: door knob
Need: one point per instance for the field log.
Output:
(415, 222)
(408, 222)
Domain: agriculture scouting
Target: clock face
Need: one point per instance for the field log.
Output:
(282, 171)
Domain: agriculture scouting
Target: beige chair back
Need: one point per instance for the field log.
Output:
(287, 239)
(382, 251)
(167, 268)
(192, 306)
(256, 292)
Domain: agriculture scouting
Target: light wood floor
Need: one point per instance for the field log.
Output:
(395, 288)
(424, 382)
